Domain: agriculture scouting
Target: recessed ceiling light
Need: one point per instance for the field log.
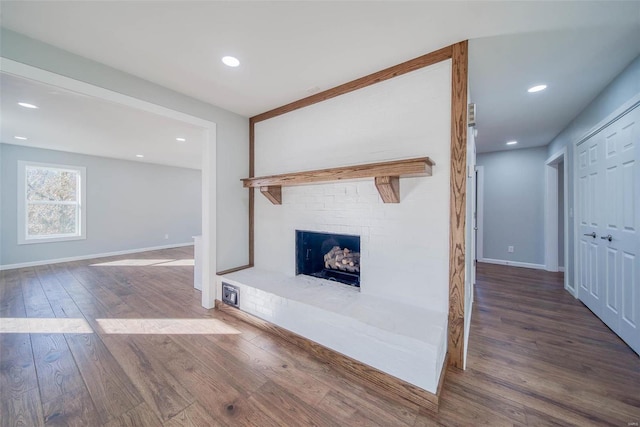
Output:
(27, 105)
(181, 139)
(230, 61)
(22, 138)
(537, 88)
(140, 155)
(512, 142)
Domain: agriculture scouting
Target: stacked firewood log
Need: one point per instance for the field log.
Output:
(342, 259)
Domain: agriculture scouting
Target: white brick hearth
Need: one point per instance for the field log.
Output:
(387, 335)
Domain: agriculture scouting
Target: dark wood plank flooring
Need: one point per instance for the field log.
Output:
(536, 356)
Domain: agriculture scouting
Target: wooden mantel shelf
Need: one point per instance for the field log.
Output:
(386, 174)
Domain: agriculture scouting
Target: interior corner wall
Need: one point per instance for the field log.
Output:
(404, 246)
(232, 136)
(470, 234)
(514, 203)
(621, 89)
(130, 205)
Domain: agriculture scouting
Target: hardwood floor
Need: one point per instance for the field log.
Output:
(98, 350)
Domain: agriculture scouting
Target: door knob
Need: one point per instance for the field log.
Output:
(592, 234)
(607, 237)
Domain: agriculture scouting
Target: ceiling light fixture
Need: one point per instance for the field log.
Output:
(140, 155)
(22, 138)
(27, 105)
(512, 142)
(230, 61)
(181, 139)
(537, 88)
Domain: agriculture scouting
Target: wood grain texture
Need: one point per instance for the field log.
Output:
(193, 416)
(389, 188)
(420, 166)
(273, 193)
(537, 356)
(140, 416)
(252, 191)
(380, 76)
(379, 381)
(458, 182)
(21, 409)
(107, 383)
(231, 270)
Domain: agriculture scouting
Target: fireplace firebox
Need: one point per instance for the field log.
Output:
(328, 256)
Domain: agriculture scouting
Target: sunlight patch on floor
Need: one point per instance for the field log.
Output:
(146, 262)
(166, 326)
(131, 262)
(176, 263)
(32, 325)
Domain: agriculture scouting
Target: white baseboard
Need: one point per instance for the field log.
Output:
(561, 269)
(512, 263)
(92, 256)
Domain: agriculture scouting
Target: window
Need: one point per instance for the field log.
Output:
(51, 202)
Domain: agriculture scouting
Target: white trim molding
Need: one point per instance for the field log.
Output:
(551, 213)
(512, 263)
(91, 256)
(480, 212)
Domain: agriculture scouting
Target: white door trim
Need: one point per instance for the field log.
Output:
(480, 213)
(551, 214)
(208, 154)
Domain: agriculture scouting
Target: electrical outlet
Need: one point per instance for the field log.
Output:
(510, 249)
(166, 236)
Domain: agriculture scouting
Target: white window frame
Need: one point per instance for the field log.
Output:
(23, 221)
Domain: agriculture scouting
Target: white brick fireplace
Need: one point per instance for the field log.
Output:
(396, 321)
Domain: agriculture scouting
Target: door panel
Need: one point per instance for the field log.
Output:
(608, 198)
(629, 289)
(588, 191)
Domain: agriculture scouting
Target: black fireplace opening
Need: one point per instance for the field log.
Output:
(328, 256)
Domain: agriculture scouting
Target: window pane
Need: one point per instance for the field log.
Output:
(51, 184)
(52, 219)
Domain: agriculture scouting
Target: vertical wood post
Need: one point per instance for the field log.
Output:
(459, 70)
(252, 193)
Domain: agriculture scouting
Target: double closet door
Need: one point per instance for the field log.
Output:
(607, 178)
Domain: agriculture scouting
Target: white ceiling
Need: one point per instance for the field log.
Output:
(68, 121)
(291, 49)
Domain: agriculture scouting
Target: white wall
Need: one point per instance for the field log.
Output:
(130, 205)
(514, 205)
(624, 87)
(232, 131)
(405, 246)
(470, 236)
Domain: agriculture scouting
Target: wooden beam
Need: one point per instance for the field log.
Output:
(273, 193)
(386, 74)
(252, 193)
(420, 166)
(389, 386)
(232, 270)
(457, 203)
(389, 188)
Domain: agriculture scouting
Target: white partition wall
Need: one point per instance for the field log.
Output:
(405, 254)
(397, 320)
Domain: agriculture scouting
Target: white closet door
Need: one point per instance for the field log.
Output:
(608, 205)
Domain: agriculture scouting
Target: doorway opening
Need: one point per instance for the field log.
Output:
(556, 221)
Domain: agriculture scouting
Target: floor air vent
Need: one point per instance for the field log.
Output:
(230, 295)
